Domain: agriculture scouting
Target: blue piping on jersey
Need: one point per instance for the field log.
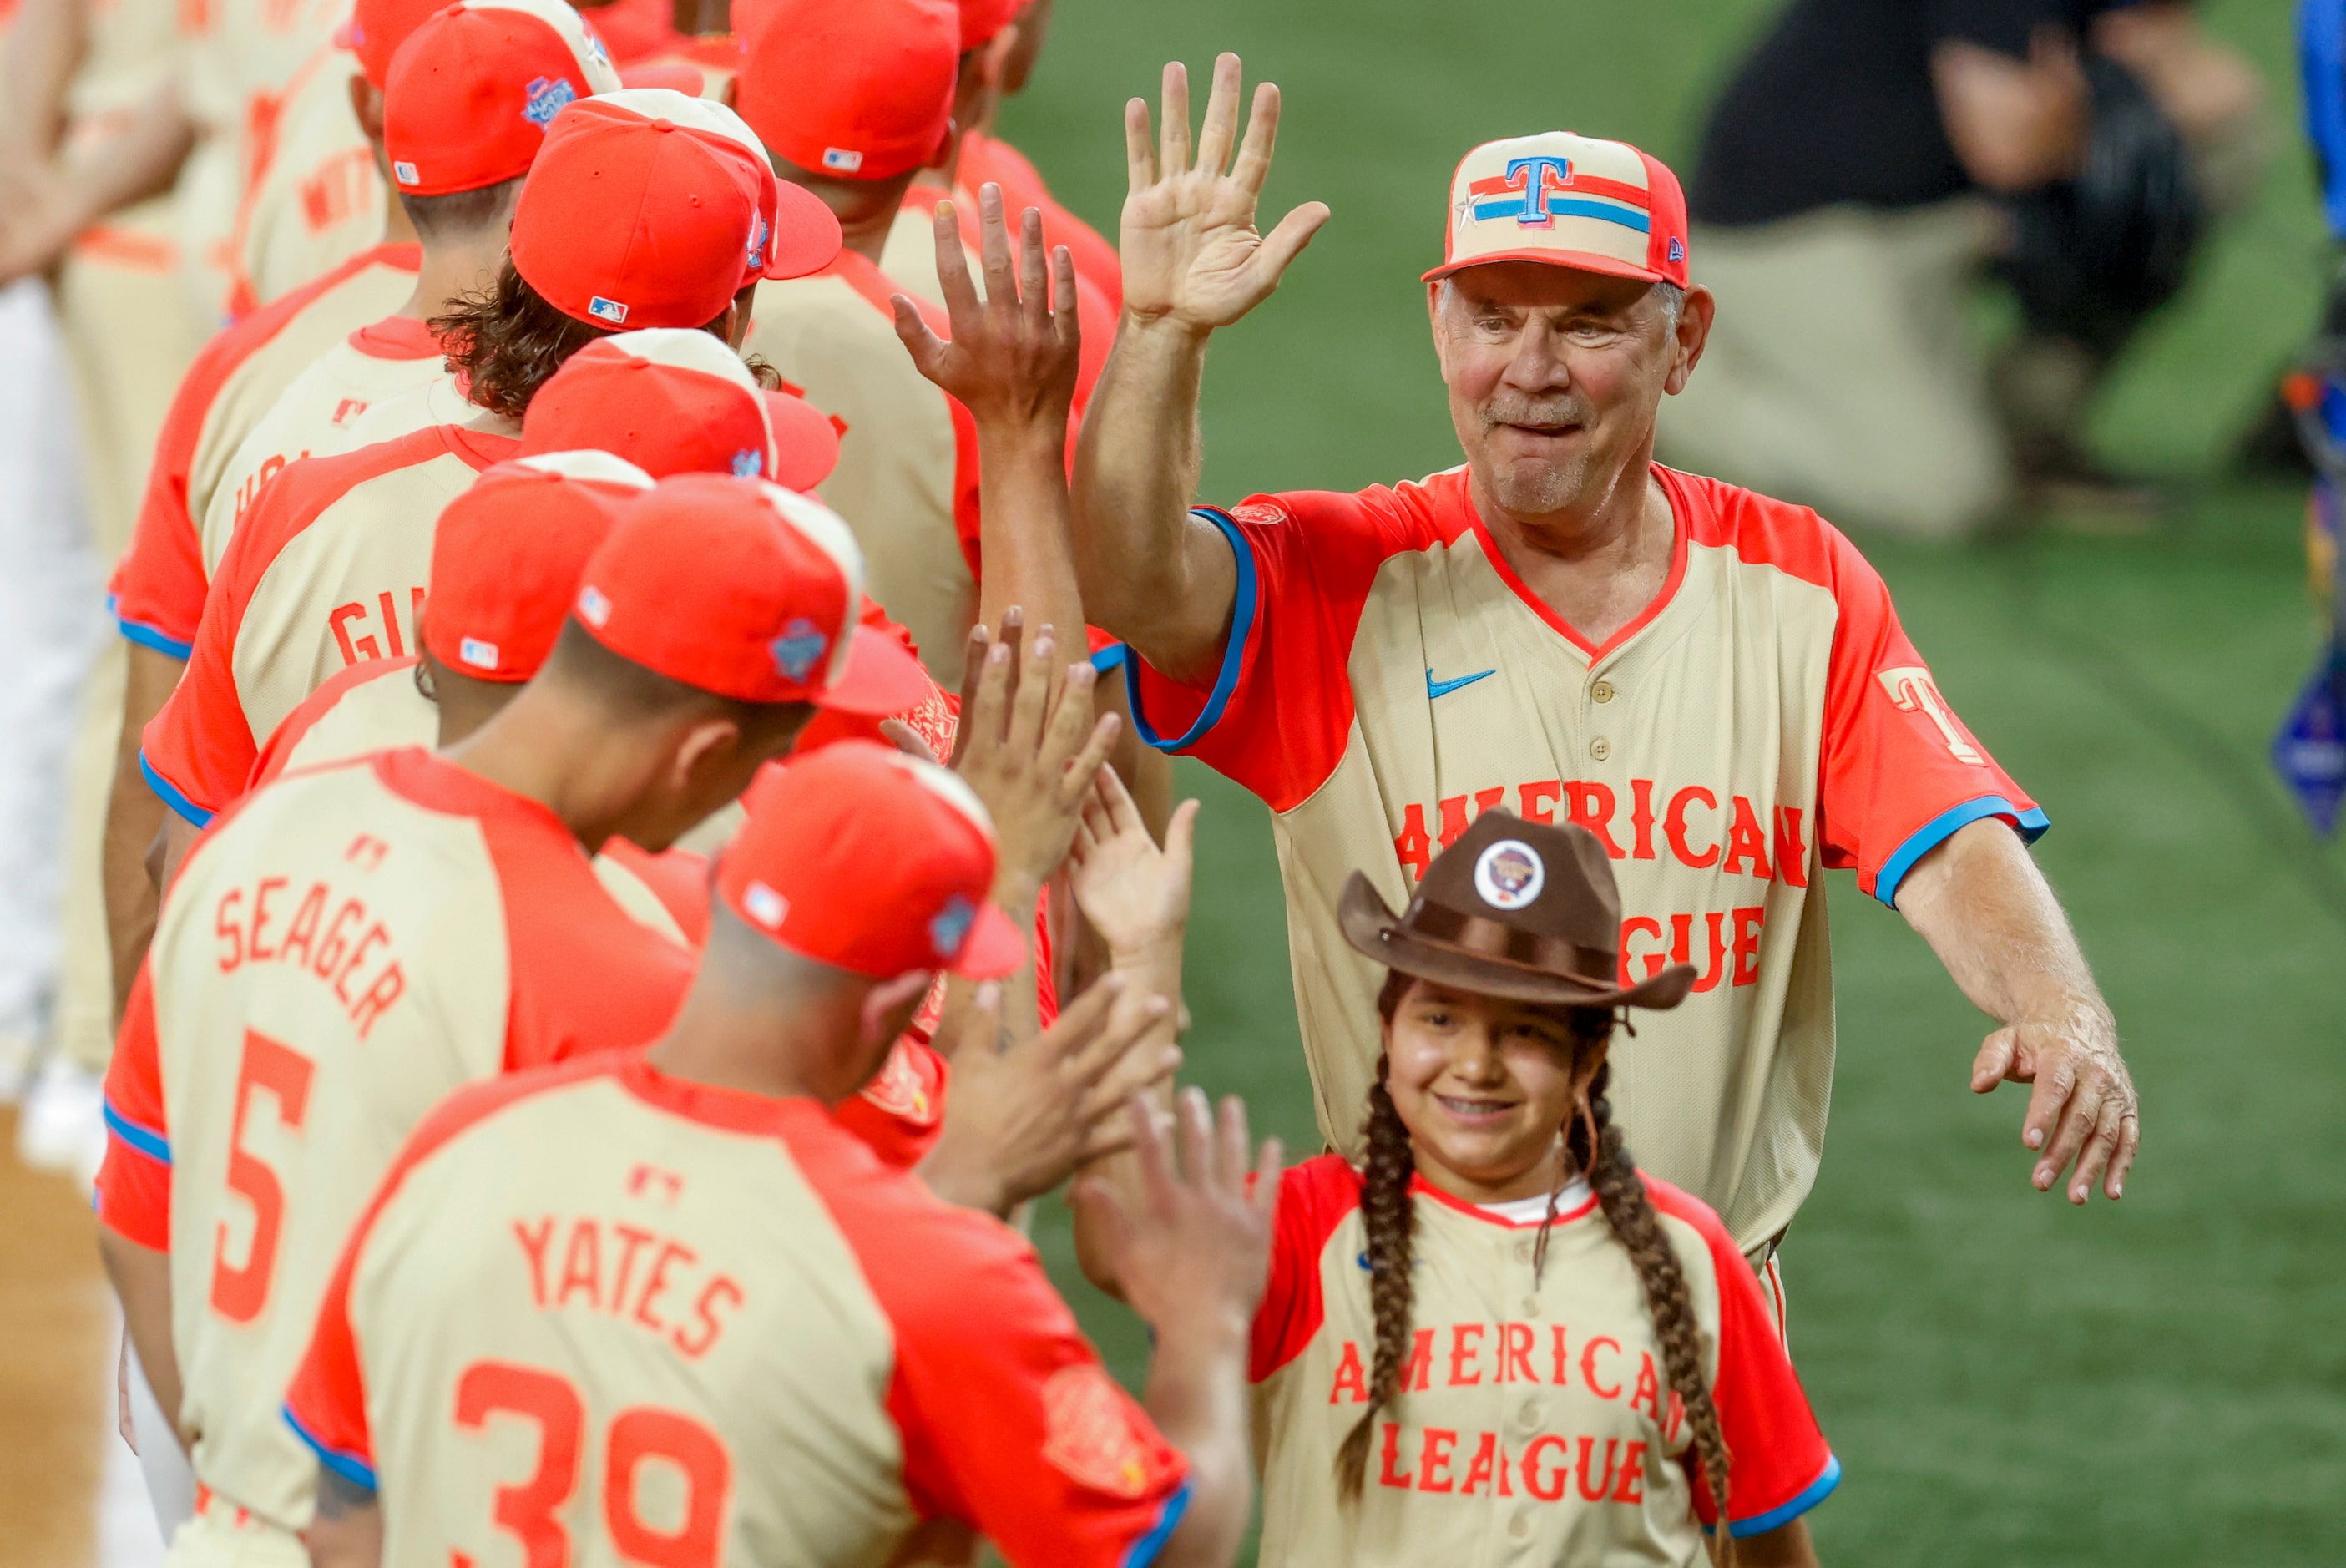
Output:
(1110, 657)
(146, 637)
(145, 1140)
(348, 1466)
(172, 796)
(1151, 1546)
(1242, 615)
(2032, 824)
(1777, 1518)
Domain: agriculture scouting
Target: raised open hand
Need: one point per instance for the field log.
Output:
(1029, 744)
(1193, 253)
(1135, 895)
(1013, 355)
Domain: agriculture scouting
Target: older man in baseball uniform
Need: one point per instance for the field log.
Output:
(1713, 682)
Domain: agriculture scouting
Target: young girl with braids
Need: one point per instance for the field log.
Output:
(1495, 1342)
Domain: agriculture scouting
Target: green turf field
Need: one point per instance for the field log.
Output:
(2005, 1380)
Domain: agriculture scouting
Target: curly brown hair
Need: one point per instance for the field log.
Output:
(1593, 1146)
(508, 342)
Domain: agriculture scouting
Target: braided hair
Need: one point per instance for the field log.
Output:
(1593, 1146)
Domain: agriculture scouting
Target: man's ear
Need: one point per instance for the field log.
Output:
(883, 1001)
(709, 743)
(1433, 316)
(1693, 331)
(366, 106)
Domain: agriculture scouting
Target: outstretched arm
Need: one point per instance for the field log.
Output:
(1986, 910)
(1193, 261)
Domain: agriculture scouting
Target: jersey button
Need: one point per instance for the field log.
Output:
(1531, 1307)
(1524, 1251)
(1528, 1418)
(1520, 1527)
(1601, 691)
(1600, 748)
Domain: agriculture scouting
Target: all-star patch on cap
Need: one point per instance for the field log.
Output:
(745, 590)
(869, 860)
(1570, 201)
(676, 400)
(470, 92)
(507, 554)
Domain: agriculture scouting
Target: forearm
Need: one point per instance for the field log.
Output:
(44, 47)
(1137, 469)
(1023, 505)
(133, 816)
(142, 1281)
(1787, 1546)
(1196, 1395)
(141, 161)
(179, 836)
(347, 1529)
(1987, 911)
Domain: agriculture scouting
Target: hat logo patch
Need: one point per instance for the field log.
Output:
(545, 97)
(844, 160)
(595, 50)
(610, 310)
(1677, 249)
(799, 648)
(478, 653)
(949, 928)
(748, 462)
(1509, 874)
(1538, 190)
(757, 240)
(594, 606)
(766, 906)
(405, 172)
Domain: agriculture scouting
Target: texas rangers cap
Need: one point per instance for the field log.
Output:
(473, 87)
(1570, 201)
(676, 400)
(856, 89)
(745, 590)
(507, 554)
(869, 860)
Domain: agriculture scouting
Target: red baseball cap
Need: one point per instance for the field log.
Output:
(676, 400)
(801, 233)
(1570, 201)
(982, 20)
(507, 554)
(859, 90)
(473, 87)
(872, 861)
(744, 590)
(377, 28)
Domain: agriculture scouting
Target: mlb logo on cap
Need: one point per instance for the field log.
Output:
(610, 310)
(478, 653)
(846, 160)
(405, 173)
(1566, 201)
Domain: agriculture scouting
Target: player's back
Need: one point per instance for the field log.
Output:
(647, 1295)
(350, 946)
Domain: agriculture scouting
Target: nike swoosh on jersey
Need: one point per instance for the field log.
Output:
(1444, 687)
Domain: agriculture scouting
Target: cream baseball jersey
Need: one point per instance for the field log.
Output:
(313, 197)
(1388, 677)
(317, 415)
(157, 590)
(346, 948)
(907, 476)
(1535, 1423)
(602, 1315)
(376, 706)
(326, 571)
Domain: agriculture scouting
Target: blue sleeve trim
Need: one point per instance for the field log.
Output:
(1242, 619)
(171, 795)
(146, 637)
(2032, 824)
(348, 1466)
(1110, 657)
(145, 1140)
(1151, 1546)
(1777, 1518)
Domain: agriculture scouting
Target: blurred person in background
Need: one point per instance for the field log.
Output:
(1868, 163)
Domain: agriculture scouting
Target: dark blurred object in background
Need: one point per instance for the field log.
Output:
(1868, 165)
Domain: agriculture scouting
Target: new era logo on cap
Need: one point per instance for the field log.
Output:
(478, 653)
(846, 160)
(545, 98)
(610, 310)
(594, 606)
(764, 905)
(405, 173)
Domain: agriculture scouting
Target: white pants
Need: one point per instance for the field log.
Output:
(52, 621)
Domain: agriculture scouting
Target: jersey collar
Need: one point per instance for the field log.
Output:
(397, 338)
(1678, 501)
(1426, 1189)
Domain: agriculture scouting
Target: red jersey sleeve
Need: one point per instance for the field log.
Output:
(1278, 711)
(1010, 1425)
(1313, 1199)
(678, 877)
(1781, 1467)
(157, 589)
(200, 751)
(900, 1113)
(1900, 771)
(134, 1185)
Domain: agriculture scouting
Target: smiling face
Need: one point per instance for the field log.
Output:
(1554, 377)
(1485, 1086)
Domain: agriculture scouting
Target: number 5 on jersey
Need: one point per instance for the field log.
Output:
(241, 1291)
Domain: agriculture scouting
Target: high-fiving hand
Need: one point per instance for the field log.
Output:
(1013, 355)
(1191, 252)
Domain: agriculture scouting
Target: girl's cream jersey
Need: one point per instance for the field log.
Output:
(1535, 1423)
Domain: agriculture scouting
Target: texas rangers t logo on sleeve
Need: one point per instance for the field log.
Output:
(1912, 689)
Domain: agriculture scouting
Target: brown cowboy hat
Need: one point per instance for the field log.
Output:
(1526, 910)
